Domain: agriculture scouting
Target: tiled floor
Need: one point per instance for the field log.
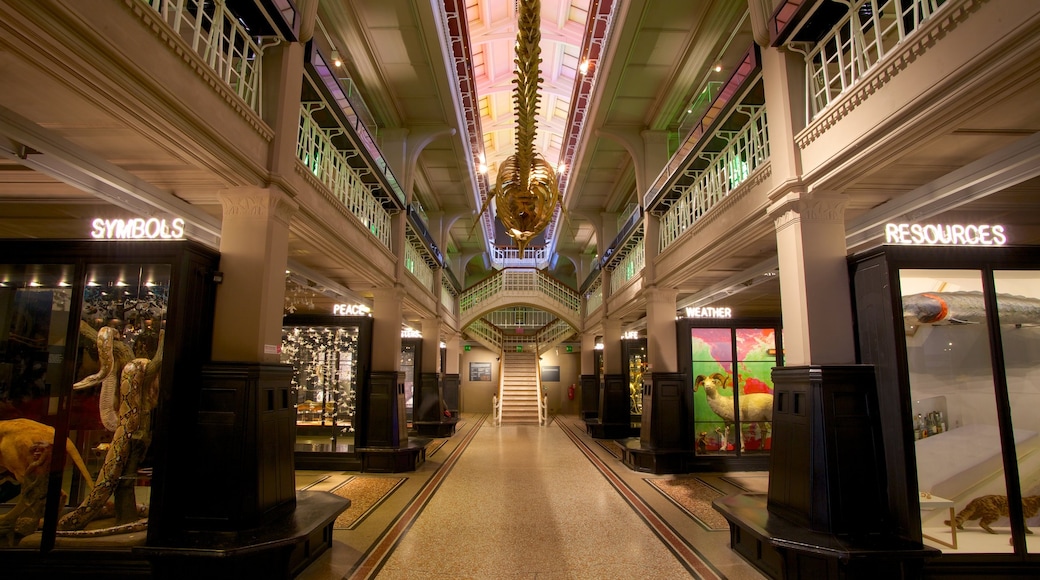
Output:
(519, 502)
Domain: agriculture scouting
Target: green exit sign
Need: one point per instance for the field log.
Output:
(570, 348)
(519, 348)
(466, 347)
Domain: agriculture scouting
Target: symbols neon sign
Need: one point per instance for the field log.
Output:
(137, 229)
(945, 235)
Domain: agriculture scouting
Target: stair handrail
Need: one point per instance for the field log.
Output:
(496, 399)
(543, 397)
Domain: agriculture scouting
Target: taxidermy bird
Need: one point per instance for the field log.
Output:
(526, 191)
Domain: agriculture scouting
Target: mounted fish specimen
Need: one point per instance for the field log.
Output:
(527, 190)
(967, 308)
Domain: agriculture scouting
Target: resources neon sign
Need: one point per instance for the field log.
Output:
(945, 235)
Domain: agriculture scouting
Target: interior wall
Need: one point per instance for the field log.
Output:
(475, 396)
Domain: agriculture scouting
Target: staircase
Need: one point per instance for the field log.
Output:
(519, 388)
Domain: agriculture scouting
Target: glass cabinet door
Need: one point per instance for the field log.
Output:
(118, 342)
(1018, 310)
(34, 321)
(636, 364)
(733, 389)
(955, 417)
(409, 348)
(325, 379)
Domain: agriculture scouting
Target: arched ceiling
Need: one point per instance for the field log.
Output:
(493, 28)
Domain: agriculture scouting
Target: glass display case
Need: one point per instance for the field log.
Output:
(633, 355)
(330, 357)
(411, 352)
(955, 415)
(92, 338)
(729, 369)
(962, 352)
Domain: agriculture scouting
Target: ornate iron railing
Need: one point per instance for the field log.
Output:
(216, 35)
(629, 267)
(416, 266)
(519, 316)
(857, 43)
(521, 280)
(594, 296)
(746, 151)
(554, 333)
(329, 165)
(511, 257)
(448, 296)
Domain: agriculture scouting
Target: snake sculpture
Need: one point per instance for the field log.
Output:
(137, 395)
(526, 190)
(113, 354)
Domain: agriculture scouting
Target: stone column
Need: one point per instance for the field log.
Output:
(814, 279)
(452, 358)
(386, 328)
(588, 353)
(428, 402)
(783, 76)
(431, 345)
(612, 363)
(254, 242)
(660, 329)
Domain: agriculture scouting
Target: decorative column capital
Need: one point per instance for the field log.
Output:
(658, 295)
(255, 202)
(394, 293)
(817, 207)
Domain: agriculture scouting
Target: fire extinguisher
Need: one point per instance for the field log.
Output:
(570, 392)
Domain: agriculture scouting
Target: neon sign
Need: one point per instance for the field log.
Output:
(137, 229)
(945, 235)
(349, 310)
(709, 312)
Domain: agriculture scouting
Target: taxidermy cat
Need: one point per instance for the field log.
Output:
(988, 508)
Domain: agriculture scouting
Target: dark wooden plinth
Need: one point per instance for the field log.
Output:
(444, 428)
(638, 457)
(589, 397)
(281, 549)
(327, 457)
(615, 430)
(781, 549)
(408, 457)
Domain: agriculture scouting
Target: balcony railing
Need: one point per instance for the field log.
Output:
(629, 266)
(525, 283)
(216, 35)
(519, 317)
(416, 266)
(485, 333)
(447, 296)
(857, 43)
(746, 151)
(329, 165)
(594, 296)
(509, 257)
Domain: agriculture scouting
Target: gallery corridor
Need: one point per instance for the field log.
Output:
(525, 502)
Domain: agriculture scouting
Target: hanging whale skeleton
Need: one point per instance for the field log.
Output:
(526, 192)
(941, 308)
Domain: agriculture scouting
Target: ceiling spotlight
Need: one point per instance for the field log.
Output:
(561, 168)
(718, 68)
(336, 60)
(483, 168)
(583, 68)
